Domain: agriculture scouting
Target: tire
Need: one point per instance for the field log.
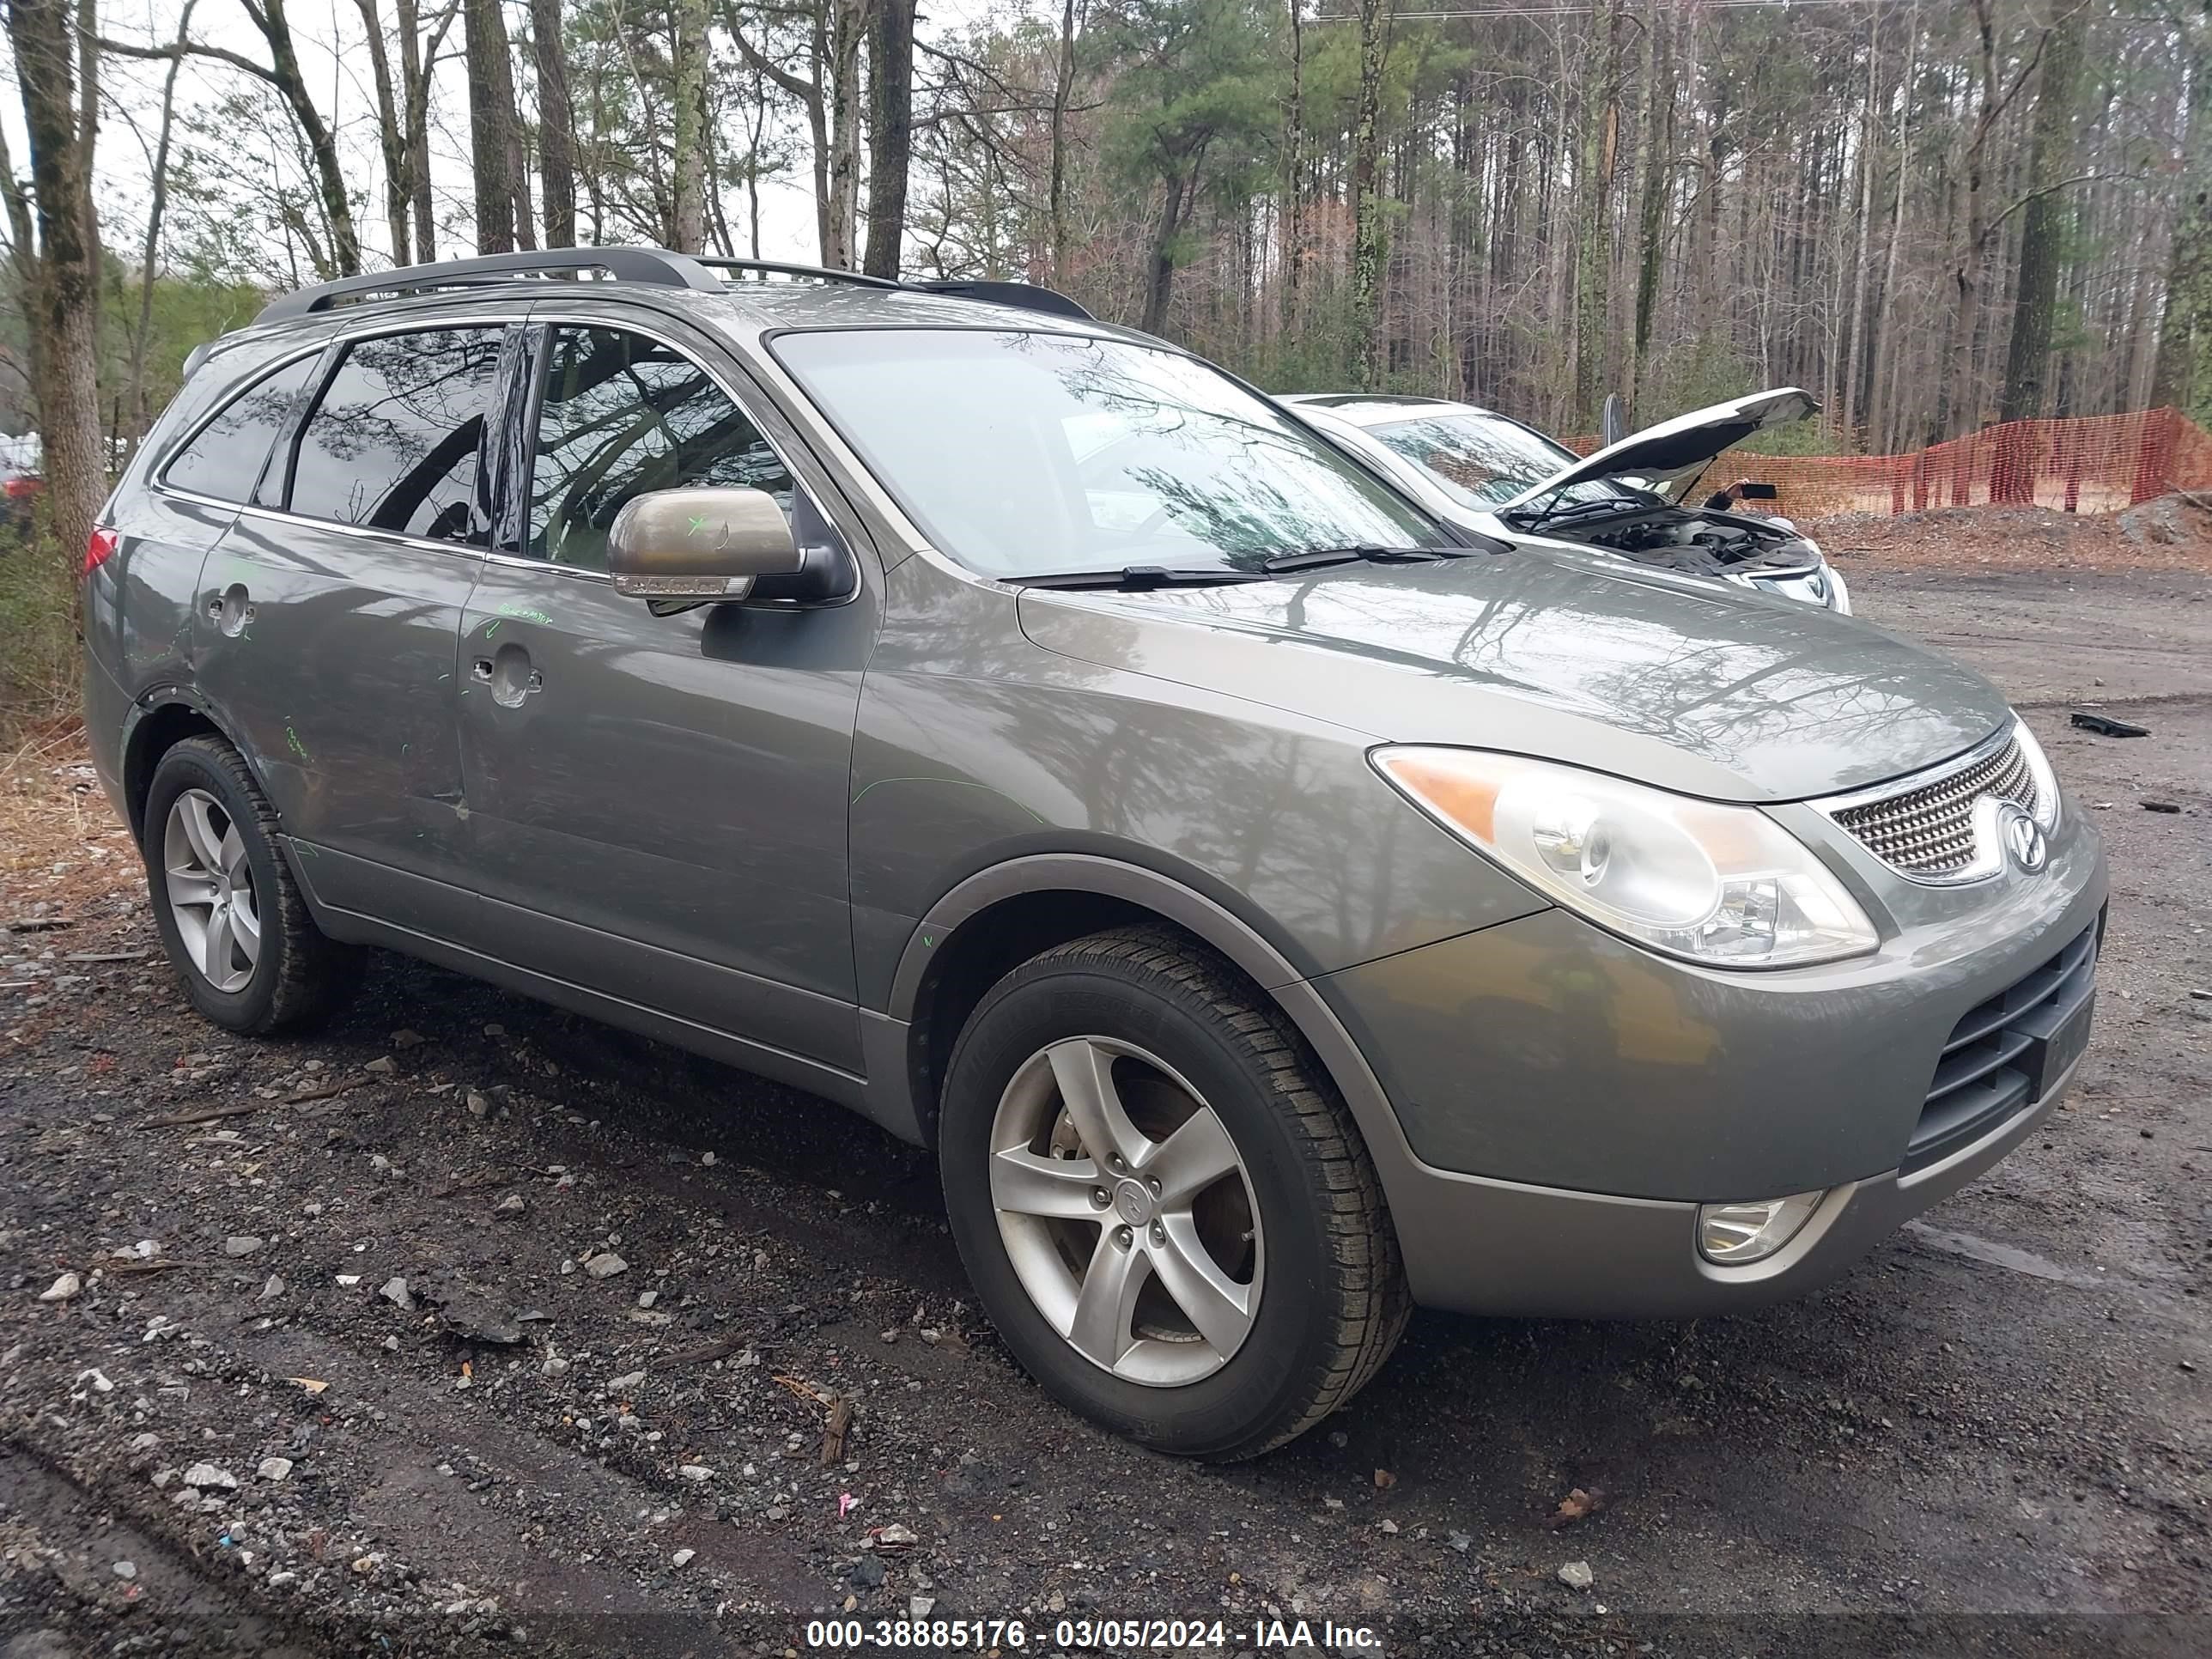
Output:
(203, 794)
(1290, 1256)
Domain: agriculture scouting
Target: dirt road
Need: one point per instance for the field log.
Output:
(592, 1417)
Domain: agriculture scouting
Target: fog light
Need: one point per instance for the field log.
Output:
(1732, 1234)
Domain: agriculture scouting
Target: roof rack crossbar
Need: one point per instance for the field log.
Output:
(656, 267)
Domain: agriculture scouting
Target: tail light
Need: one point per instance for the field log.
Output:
(101, 548)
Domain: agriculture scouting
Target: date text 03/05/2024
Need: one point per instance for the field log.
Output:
(988, 1636)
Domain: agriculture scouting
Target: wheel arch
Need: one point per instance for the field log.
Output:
(159, 721)
(1001, 916)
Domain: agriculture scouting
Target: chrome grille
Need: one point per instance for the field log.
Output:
(1927, 830)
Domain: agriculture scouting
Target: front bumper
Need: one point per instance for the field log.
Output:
(1495, 1247)
(1564, 1101)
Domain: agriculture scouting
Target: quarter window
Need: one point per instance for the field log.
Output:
(623, 414)
(226, 459)
(395, 442)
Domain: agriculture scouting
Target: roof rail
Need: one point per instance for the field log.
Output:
(1028, 295)
(774, 268)
(654, 266)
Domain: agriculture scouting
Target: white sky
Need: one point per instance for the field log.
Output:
(330, 38)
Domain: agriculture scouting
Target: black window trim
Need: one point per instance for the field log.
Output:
(158, 481)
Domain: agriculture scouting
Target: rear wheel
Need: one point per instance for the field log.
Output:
(231, 918)
(1165, 1206)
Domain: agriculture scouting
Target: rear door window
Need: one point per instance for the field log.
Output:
(223, 461)
(396, 441)
(621, 414)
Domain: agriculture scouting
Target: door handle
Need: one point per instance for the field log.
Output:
(509, 675)
(231, 610)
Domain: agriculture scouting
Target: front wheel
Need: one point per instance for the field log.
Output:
(1165, 1206)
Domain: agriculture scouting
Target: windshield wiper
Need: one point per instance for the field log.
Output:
(1319, 557)
(1139, 578)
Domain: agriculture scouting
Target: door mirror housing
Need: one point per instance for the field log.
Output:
(699, 544)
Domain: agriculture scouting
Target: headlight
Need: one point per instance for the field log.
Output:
(1723, 885)
(1840, 592)
(2039, 767)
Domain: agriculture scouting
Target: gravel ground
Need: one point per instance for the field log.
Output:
(470, 1327)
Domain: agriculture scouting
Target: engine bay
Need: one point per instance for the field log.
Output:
(1698, 544)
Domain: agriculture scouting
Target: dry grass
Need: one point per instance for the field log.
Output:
(38, 621)
(60, 844)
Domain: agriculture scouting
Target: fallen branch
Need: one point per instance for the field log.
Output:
(833, 1432)
(326, 1090)
(204, 1115)
(718, 1350)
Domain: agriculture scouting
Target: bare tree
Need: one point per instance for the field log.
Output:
(57, 246)
(556, 119)
(150, 256)
(890, 131)
(1367, 194)
(283, 71)
(690, 135)
(490, 119)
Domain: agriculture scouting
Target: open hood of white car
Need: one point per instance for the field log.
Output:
(1677, 449)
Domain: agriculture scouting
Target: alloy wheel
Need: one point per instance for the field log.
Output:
(1127, 1212)
(210, 886)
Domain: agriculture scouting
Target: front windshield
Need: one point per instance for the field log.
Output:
(1025, 454)
(1482, 460)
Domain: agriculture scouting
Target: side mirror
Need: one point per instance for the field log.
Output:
(699, 544)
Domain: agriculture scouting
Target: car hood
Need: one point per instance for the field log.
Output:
(1680, 446)
(1710, 691)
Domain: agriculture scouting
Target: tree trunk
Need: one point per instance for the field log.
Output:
(1656, 185)
(2178, 378)
(2045, 225)
(484, 41)
(890, 131)
(150, 256)
(846, 26)
(391, 138)
(1294, 168)
(1593, 240)
(690, 141)
(414, 118)
(557, 156)
(1881, 401)
(1856, 345)
(63, 308)
(1160, 286)
(1367, 241)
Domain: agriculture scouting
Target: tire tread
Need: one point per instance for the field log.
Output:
(1371, 1297)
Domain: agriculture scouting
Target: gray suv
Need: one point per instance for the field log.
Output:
(1275, 907)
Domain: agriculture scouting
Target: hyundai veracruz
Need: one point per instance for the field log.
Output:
(1275, 906)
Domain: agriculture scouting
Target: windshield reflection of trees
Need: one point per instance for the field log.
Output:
(1222, 468)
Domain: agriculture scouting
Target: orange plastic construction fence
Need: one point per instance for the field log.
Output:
(2097, 464)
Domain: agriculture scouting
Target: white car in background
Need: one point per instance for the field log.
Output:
(1490, 474)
